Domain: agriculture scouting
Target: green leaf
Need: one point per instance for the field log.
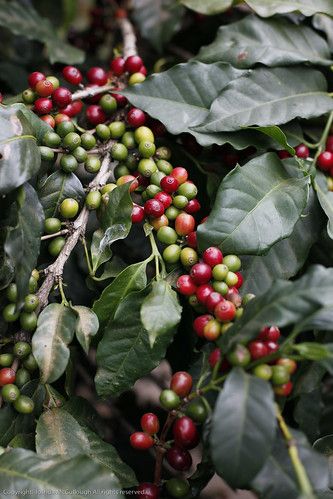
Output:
(23, 440)
(272, 42)
(55, 330)
(268, 97)
(308, 411)
(286, 257)
(241, 439)
(98, 257)
(325, 198)
(39, 127)
(160, 311)
(57, 187)
(285, 303)
(25, 470)
(26, 22)
(277, 478)
(208, 7)
(23, 241)
(132, 278)
(158, 20)
(181, 96)
(313, 351)
(306, 7)
(277, 135)
(19, 153)
(256, 206)
(124, 354)
(86, 326)
(324, 23)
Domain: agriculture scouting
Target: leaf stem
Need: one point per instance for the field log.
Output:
(86, 252)
(60, 233)
(62, 293)
(300, 471)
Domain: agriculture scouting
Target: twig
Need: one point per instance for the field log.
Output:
(92, 91)
(160, 450)
(60, 233)
(129, 38)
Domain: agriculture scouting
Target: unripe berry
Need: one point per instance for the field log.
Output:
(69, 208)
(169, 400)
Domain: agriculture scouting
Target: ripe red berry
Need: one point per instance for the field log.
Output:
(225, 311)
(284, 390)
(193, 206)
(212, 256)
(72, 75)
(157, 128)
(185, 433)
(118, 66)
(143, 70)
(95, 114)
(154, 208)
(7, 376)
(138, 214)
(135, 117)
(201, 273)
(203, 291)
(97, 76)
(180, 174)
(164, 198)
(121, 100)
(62, 97)
(257, 349)
(284, 154)
(214, 357)
(34, 78)
(184, 224)
(150, 423)
(191, 240)
(43, 105)
(325, 160)
(240, 280)
(181, 383)
(269, 333)
(133, 64)
(302, 151)
(185, 285)
(213, 300)
(49, 120)
(272, 347)
(179, 459)
(44, 88)
(72, 109)
(1, 98)
(169, 184)
(148, 491)
(199, 324)
(141, 441)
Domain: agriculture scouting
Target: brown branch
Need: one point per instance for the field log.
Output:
(92, 91)
(129, 37)
(160, 449)
(49, 236)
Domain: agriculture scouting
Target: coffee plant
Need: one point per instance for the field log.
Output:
(166, 181)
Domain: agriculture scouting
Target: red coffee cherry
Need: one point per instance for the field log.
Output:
(169, 184)
(184, 223)
(272, 346)
(185, 285)
(193, 206)
(180, 174)
(133, 64)
(201, 273)
(118, 66)
(138, 214)
(73, 108)
(141, 441)
(150, 423)
(44, 88)
(135, 117)
(283, 154)
(121, 100)
(43, 105)
(203, 291)
(181, 383)
(212, 256)
(269, 333)
(325, 161)
(302, 151)
(7, 376)
(148, 491)
(240, 280)
(49, 120)
(284, 390)
(200, 322)
(95, 114)
(214, 357)
(257, 349)
(34, 78)
(185, 433)
(225, 311)
(143, 70)
(191, 240)
(164, 198)
(213, 300)
(72, 75)
(179, 459)
(62, 97)
(153, 208)
(97, 76)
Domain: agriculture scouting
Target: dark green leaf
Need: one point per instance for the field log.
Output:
(98, 257)
(313, 351)
(26, 22)
(23, 241)
(286, 257)
(132, 278)
(272, 42)
(58, 187)
(23, 441)
(55, 330)
(325, 198)
(208, 7)
(27, 471)
(160, 311)
(19, 153)
(324, 23)
(256, 206)
(86, 326)
(124, 353)
(307, 413)
(268, 97)
(306, 7)
(277, 135)
(39, 127)
(241, 439)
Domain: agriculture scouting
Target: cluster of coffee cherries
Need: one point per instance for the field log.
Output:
(177, 438)
(325, 161)
(12, 378)
(27, 317)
